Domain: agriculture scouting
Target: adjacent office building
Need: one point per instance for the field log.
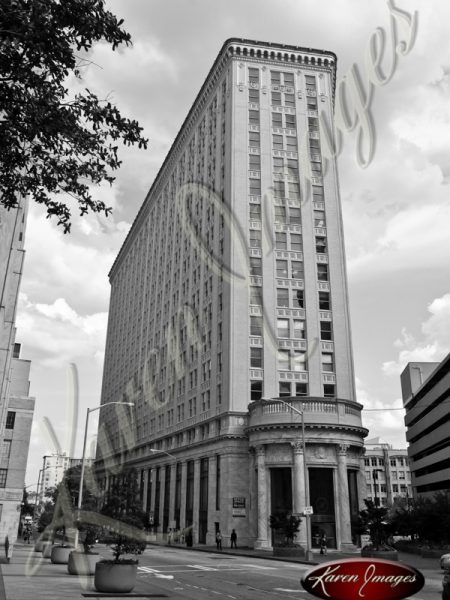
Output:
(229, 306)
(388, 476)
(16, 407)
(426, 396)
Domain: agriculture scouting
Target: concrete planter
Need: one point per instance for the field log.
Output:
(39, 545)
(112, 577)
(295, 551)
(47, 549)
(81, 563)
(60, 554)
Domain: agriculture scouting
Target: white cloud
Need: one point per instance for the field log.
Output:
(435, 342)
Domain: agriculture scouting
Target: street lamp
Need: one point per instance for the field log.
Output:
(375, 479)
(309, 555)
(83, 458)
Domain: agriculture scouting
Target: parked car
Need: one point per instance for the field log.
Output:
(445, 561)
(446, 585)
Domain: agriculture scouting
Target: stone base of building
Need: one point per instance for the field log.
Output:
(262, 545)
(349, 547)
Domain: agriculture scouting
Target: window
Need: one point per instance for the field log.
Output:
(383, 488)
(329, 390)
(255, 212)
(255, 296)
(278, 164)
(280, 240)
(327, 362)
(254, 161)
(314, 145)
(373, 462)
(255, 238)
(316, 168)
(3, 476)
(256, 358)
(253, 138)
(282, 297)
(324, 301)
(5, 449)
(393, 462)
(317, 193)
(282, 268)
(256, 325)
(325, 330)
(289, 100)
(291, 143)
(394, 474)
(284, 389)
(299, 329)
(321, 245)
(278, 188)
(311, 103)
(283, 328)
(294, 191)
(301, 389)
(395, 488)
(253, 95)
(253, 117)
(253, 75)
(401, 474)
(310, 80)
(322, 272)
(297, 269)
(313, 124)
(288, 79)
(299, 360)
(277, 120)
(295, 217)
(256, 390)
(292, 165)
(290, 121)
(255, 187)
(10, 419)
(296, 242)
(275, 78)
(283, 360)
(255, 266)
(276, 99)
(319, 218)
(298, 299)
(278, 142)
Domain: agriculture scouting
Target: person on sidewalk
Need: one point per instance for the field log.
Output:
(323, 545)
(219, 540)
(233, 539)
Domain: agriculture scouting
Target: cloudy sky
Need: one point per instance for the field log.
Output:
(396, 210)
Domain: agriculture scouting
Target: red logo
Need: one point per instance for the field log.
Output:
(363, 579)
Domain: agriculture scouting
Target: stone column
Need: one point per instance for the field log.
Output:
(196, 499)
(362, 483)
(144, 494)
(183, 495)
(299, 491)
(162, 488)
(345, 542)
(173, 473)
(262, 541)
(152, 474)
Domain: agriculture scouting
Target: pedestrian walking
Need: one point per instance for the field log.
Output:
(219, 540)
(233, 539)
(7, 548)
(323, 545)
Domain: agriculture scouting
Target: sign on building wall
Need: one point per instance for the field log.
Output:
(239, 509)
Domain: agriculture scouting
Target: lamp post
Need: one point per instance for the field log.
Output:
(309, 555)
(375, 479)
(83, 457)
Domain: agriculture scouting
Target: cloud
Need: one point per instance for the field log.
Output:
(433, 346)
(55, 335)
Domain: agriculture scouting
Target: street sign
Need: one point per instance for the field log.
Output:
(308, 510)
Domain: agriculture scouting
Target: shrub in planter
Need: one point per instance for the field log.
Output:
(125, 523)
(60, 554)
(288, 526)
(83, 563)
(374, 520)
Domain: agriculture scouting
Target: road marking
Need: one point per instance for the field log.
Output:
(203, 567)
(286, 590)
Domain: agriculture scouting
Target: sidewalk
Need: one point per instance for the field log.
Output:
(30, 577)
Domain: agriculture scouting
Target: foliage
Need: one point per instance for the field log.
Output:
(420, 522)
(26, 508)
(287, 524)
(123, 506)
(55, 142)
(374, 519)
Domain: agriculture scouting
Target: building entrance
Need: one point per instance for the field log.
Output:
(281, 497)
(321, 493)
